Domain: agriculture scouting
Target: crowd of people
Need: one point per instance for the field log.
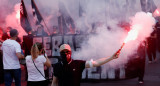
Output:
(68, 70)
(65, 71)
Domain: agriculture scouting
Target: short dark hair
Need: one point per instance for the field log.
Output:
(13, 32)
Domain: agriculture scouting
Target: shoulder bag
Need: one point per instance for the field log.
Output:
(47, 81)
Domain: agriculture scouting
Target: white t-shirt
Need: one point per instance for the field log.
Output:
(33, 73)
(10, 48)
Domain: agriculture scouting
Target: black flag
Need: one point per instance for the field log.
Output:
(24, 18)
(65, 21)
(143, 5)
(38, 19)
(148, 6)
(36, 13)
(81, 10)
(151, 7)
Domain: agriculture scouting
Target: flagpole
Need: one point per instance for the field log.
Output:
(61, 28)
(46, 27)
(28, 19)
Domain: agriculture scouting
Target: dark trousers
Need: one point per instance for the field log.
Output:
(9, 74)
(158, 44)
(141, 70)
(151, 52)
(37, 83)
(1, 69)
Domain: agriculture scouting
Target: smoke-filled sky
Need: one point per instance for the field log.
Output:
(94, 10)
(103, 13)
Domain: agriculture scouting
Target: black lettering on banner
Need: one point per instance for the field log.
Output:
(68, 39)
(56, 42)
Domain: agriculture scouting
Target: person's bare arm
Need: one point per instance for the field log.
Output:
(101, 61)
(47, 63)
(54, 81)
(19, 55)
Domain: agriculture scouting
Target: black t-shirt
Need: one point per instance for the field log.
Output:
(158, 29)
(69, 74)
(152, 41)
(27, 44)
(141, 51)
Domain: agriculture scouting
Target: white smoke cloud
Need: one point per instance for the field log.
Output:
(108, 13)
(49, 11)
(96, 10)
(106, 42)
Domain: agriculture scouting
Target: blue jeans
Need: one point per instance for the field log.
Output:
(9, 74)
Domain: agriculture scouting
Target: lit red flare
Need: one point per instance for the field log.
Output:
(132, 35)
(157, 12)
(120, 48)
